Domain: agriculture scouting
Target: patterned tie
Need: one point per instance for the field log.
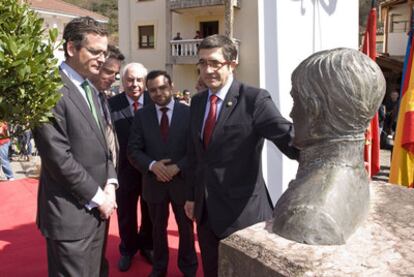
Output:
(109, 129)
(164, 126)
(89, 95)
(136, 105)
(210, 121)
(105, 109)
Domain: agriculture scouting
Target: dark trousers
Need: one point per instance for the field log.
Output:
(209, 244)
(81, 258)
(127, 196)
(187, 258)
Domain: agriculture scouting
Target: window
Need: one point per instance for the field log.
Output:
(398, 24)
(146, 36)
(209, 28)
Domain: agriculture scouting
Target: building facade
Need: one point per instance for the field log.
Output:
(147, 30)
(273, 38)
(395, 15)
(57, 13)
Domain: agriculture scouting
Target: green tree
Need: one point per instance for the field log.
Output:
(29, 77)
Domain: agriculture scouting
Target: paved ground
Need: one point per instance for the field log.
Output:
(24, 169)
(385, 156)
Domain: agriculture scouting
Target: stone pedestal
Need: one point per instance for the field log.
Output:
(382, 246)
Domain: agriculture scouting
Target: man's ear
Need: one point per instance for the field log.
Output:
(70, 48)
(233, 64)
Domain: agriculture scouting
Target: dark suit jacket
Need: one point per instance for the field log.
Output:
(75, 162)
(146, 145)
(227, 177)
(110, 127)
(123, 117)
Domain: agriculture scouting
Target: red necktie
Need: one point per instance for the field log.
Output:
(136, 105)
(164, 126)
(210, 121)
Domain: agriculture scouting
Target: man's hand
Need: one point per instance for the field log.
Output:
(159, 168)
(173, 170)
(189, 209)
(109, 204)
(110, 192)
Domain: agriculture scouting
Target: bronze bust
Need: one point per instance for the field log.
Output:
(335, 93)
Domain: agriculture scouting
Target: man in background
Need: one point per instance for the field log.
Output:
(4, 151)
(157, 148)
(102, 83)
(123, 107)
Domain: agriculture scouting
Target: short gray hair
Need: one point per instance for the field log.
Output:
(139, 66)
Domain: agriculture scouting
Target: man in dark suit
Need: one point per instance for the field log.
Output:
(123, 106)
(228, 125)
(102, 84)
(157, 148)
(77, 180)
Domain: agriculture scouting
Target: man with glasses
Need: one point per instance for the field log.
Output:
(78, 180)
(228, 125)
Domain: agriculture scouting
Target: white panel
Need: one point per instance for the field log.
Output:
(397, 44)
(290, 31)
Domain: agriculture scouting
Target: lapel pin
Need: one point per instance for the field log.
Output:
(229, 104)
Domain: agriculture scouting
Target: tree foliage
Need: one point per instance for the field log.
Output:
(29, 77)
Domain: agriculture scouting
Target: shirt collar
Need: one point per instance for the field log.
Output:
(221, 94)
(72, 74)
(140, 99)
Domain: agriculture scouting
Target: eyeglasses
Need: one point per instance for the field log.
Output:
(97, 53)
(213, 64)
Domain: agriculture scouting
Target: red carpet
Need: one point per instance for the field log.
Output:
(23, 250)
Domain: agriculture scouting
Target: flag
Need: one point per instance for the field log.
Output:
(372, 138)
(402, 164)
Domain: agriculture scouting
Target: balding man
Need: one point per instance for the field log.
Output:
(123, 107)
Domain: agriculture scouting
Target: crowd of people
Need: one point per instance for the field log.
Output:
(150, 146)
(147, 146)
(15, 145)
(388, 115)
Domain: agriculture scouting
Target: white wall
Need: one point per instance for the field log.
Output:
(397, 44)
(245, 30)
(124, 28)
(290, 31)
(397, 40)
(133, 14)
(184, 77)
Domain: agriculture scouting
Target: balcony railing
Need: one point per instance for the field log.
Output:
(185, 4)
(185, 50)
(184, 47)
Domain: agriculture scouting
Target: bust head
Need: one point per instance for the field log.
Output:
(335, 93)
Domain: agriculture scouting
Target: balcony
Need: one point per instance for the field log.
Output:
(184, 51)
(186, 4)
